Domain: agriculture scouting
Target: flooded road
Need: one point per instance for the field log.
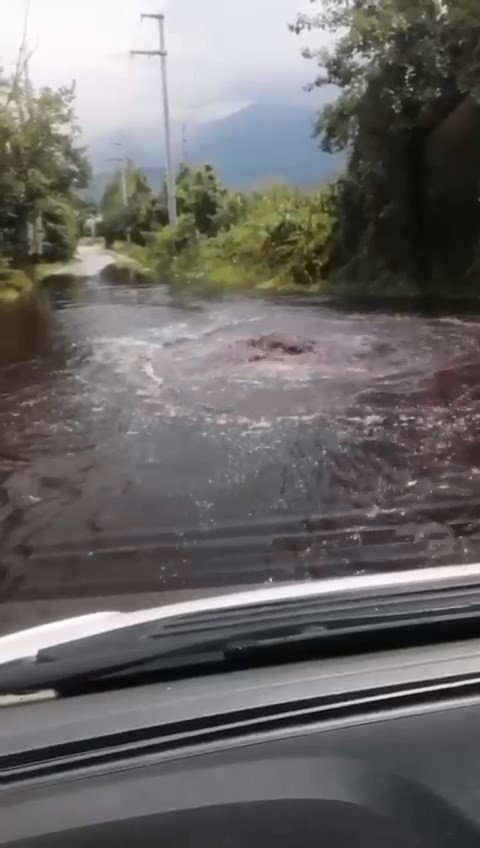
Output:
(144, 449)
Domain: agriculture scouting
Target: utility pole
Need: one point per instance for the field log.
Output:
(172, 201)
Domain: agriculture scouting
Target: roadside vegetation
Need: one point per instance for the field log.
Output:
(385, 225)
(42, 166)
(402, 219)
(407, 213)
(275, 237)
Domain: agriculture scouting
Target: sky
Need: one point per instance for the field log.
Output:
(221, 54)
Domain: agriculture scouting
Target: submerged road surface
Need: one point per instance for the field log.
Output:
(152, 442)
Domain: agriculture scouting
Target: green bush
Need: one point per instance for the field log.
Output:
(275, 237)
(14, 284)
(172, 245)
(281, 239)
(297, 236)
(201, 196)
(61, 227)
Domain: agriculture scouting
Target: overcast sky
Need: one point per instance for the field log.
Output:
(219, 52)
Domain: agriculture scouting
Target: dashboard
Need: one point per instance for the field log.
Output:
(365, 751)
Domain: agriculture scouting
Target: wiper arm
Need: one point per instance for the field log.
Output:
(68, 670)
(110, 658)
(329, 617)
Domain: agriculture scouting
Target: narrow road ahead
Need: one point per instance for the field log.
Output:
(89, 261)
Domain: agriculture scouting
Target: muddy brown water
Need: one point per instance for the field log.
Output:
(144, 451)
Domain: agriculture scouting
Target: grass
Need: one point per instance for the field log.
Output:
(14, 284)
(278, 242)
(132, 256)
(40, 272)
(18, 283)
(205, 267)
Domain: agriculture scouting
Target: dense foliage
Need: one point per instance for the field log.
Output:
(280, 240)
(200, 197)
(404, 217)
(276, 236)
(395, 222)
(401, 67)
(41, 167)
(129, 207)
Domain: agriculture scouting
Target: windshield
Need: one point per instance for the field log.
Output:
(239, 316)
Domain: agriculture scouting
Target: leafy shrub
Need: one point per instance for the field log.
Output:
(297, 237)
(61, 227)
(170, 244)
(201, 195)
(280, 235)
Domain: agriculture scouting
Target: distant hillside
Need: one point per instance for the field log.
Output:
(264, 141)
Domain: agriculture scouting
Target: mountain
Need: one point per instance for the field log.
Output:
(264, 141)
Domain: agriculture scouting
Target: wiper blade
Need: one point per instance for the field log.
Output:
(160, 657)
(268, 625)
(387, 633)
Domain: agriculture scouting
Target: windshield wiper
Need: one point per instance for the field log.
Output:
(68, 670)
(282, 624)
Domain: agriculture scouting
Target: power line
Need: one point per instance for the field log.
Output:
(162, 53)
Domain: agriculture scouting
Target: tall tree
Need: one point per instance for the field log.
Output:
(42, 163)
(200, 194)
(142, 212)
(400, 68)
(137, 189)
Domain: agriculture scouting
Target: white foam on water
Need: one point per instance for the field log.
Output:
(459, 322)
(373, 419)
(148, 370)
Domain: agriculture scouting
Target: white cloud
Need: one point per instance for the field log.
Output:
(218, 49)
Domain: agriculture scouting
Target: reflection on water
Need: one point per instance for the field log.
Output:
(143, 448)
(25, 330)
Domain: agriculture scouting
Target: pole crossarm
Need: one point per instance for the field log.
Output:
(148, 53)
